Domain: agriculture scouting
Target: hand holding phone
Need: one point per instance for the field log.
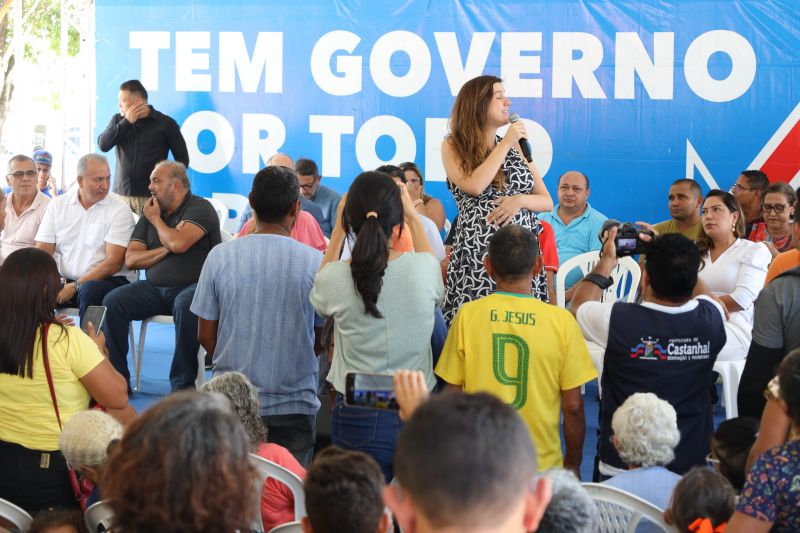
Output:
(375, 391)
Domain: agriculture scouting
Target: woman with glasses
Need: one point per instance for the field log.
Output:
(425, 204)
(778, 213)
(733, 268)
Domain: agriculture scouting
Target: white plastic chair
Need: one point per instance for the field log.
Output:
(731, 374)
(139, 354)
(16, 515)
(221, 209)
(74, 311)
(267, 469)
(289, 527)
(626, 277)
(98, 517)
(621, 511)
(236, 203)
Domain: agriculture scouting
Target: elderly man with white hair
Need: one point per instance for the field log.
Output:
(645, 435)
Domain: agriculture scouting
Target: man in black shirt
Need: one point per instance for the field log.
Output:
(171, 242)
(142, 137)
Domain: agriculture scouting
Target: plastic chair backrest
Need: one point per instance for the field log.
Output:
(289, 527)
(221, 209)
(626, 277)
(268, 469)
(98, 517)
(236, 205)
(621, 511)
(16, 515)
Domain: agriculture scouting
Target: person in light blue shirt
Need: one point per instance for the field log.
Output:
(326, 198)
(575, 223)
(645, 435)
(255, 316)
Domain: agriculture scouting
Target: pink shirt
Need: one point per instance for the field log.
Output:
(277, 501)
(20, 231)
(306, 230)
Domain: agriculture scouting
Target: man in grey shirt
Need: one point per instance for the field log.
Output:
(776, 332)
(255, 316)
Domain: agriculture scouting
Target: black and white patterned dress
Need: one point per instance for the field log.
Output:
(467, 280)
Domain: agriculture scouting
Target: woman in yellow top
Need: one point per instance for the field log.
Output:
(34, 473)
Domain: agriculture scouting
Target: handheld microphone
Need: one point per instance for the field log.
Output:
(524, 145)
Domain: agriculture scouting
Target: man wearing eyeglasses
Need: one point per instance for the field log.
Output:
(25, 206)
(575, 222)
(324, 197)
(749, 192)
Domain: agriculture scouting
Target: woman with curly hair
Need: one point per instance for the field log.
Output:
(182, 467)
(277, 501)
(492, 184)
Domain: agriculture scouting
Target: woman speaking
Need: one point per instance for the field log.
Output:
(492, 184)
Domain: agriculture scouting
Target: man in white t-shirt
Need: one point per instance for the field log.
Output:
(87, 232)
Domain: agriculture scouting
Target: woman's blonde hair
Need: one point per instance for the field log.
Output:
(467, 120)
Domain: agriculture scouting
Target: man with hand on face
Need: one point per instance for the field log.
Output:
(24, 209)
(87, 232)
(575, 223)
(171, 242)
(44, 166)
(142, 137)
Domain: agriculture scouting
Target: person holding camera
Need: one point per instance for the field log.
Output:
(670, 339)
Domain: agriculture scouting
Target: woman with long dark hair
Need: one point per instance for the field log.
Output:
(492, 184)
(32, 343)
(733, 268)
(382, 302)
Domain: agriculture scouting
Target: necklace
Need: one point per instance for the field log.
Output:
(281, 227)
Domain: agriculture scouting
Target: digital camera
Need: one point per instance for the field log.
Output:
(628, 241)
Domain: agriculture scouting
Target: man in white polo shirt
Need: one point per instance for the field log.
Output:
(87, 232)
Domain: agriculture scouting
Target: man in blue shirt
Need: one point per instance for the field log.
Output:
(326, 198)
(255, 316)
(575, 223)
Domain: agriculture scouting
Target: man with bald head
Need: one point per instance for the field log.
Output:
(575, 223)
(283, 160)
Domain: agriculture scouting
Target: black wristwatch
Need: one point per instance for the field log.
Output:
(599, 280)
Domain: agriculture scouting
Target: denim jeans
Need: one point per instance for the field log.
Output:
(372, 431)
(92, 293)
(141, 300)
(296, 433)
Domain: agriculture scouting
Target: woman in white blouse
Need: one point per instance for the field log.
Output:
(733, 268)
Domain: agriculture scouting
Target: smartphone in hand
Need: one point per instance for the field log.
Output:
(95, 314)
(370, 390)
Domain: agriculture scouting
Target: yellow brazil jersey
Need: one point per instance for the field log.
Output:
(523, 351)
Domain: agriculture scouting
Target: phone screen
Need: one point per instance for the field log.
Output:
(370, 390)
(95, 314)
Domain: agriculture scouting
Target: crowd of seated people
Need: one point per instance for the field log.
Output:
(257, 305)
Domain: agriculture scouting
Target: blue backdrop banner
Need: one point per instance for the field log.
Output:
(633, 93)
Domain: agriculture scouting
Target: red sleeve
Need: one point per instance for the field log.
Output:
(547, 242)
